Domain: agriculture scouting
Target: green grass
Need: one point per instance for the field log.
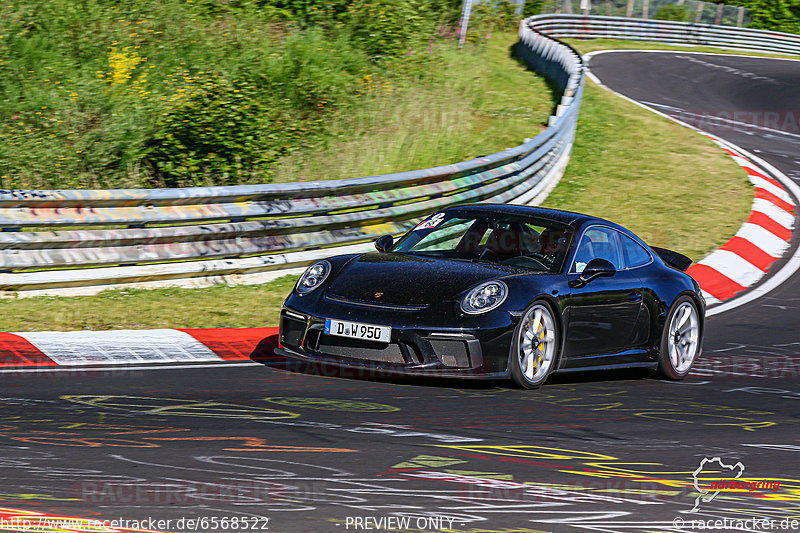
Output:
(670, 185)
(213, 307)
(667, 183)
(483, 104)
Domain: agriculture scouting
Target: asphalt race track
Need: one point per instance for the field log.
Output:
(302, 452)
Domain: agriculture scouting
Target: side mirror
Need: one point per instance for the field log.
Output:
(384, 243)
(597, 267)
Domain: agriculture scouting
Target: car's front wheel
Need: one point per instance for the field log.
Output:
(680, 341)
(535, 348)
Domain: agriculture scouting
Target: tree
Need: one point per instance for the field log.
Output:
(673, 12)
(778, 15)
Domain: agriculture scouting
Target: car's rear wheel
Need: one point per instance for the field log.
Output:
(680, 341)
(535, 348)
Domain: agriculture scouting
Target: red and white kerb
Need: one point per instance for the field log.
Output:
(761, 240)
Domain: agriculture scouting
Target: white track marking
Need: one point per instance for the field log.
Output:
(710, 300)
(78, 348)
(122, 369)
(734, 267)
(774, 212)
(781, 193)
(763, 238)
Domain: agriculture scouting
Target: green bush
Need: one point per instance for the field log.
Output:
(138, 93)
(492, 16)
(308, 12)
(218, 133)
(532, 7)
(673, 12)
(313, 72)
(389, 27)
(777, 15)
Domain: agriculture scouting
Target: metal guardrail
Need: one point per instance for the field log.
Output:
(694, 10)
(97, 239)
(576, 26)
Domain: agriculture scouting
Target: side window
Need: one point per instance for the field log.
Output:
(634, 254)
(597, 242)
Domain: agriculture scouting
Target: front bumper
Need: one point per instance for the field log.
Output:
(419, 351)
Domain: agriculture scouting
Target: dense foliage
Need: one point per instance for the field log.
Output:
(138, 93)
(673, 12)
(779, 15)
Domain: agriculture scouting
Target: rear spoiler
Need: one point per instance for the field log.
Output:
(673, 259)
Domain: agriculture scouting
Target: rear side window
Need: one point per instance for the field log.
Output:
(597, 242)
(633, 252)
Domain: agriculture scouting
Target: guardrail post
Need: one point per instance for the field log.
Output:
(699, 14)
(466, 9)
(740, 17)
(586, 7)
(629, 12)
(568, 7)
(718, 20)
(645, 9)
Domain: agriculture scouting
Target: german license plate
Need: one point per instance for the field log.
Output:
(356, 330)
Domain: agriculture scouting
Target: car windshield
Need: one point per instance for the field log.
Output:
(524, 242)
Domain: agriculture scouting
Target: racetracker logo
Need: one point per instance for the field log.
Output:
(714, 476)
(745, 485)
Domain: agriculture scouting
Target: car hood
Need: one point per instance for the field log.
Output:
(409, 280)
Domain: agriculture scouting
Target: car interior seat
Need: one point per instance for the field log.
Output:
(553, 240)
(506, 242)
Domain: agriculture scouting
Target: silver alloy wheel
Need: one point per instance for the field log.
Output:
(537, 343)
(683, 334)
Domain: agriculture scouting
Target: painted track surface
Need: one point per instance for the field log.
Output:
(594, 452)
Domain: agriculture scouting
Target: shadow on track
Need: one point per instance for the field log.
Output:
(264, 353)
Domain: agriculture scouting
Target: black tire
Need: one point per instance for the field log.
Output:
(545, 351)
(685, 346)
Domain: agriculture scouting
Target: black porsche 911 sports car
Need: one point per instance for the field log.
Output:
(499, 291)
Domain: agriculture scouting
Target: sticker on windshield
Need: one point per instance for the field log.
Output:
(432, 222)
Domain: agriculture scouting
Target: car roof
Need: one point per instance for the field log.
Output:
(557, 215)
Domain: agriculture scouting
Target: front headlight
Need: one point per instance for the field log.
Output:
(484, 297)
(313, 277)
